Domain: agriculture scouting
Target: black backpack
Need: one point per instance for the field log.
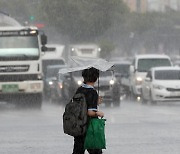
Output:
(75, 116)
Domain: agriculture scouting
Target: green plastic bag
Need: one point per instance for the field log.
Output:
(95, 136)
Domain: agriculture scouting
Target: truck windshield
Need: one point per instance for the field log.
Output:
(145, 64)
(167, 75)
(19, 48)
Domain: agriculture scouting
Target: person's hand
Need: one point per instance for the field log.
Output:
(100, 114)
(100, 99)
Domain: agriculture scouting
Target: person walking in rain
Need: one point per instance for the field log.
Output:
(90, 76)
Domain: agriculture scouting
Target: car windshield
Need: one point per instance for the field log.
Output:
(121, 68)
(52, 72)
(51, 62)
(77, 74)
(167, 75)
(105, 74)
(145, 64)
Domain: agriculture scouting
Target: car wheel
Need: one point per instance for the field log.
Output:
(116, 101)
(153, 102)
(144, 101)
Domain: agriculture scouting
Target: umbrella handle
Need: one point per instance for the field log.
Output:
(98, 86)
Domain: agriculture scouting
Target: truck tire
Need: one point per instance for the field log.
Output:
(132, 96)
(36, 101)
(144, 101)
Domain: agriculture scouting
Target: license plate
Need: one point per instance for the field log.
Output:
(9, 88)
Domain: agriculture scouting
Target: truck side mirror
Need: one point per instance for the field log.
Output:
(43, 39)
(44, 48)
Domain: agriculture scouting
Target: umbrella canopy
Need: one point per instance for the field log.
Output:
(78, 64)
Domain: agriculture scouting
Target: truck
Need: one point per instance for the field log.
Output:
(84, 50)
(55, 55)
(139, 68)
(21, 75)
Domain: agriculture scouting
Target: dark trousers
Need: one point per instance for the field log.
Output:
(79, 146)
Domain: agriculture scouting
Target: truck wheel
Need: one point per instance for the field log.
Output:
(144, 101)
(132, 96)
(36, 101)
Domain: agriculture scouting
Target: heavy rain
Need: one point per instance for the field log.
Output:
(45, 45)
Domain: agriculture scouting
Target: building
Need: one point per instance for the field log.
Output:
(163, 5)
(137, 5)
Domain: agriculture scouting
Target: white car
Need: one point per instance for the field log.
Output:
(140, 66)
(161, 84)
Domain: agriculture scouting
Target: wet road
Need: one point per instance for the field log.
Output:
(132, 128)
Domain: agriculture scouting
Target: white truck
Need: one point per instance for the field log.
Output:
(21, 75)
(139, 68)
(84, 50)
(55, 55)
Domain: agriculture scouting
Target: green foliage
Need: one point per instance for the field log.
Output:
(19, 9)
(83, 19)
(93, 20)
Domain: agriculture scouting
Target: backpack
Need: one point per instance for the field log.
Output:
(75, 116)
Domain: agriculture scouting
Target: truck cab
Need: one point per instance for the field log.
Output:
(21, 78)
(85, 50)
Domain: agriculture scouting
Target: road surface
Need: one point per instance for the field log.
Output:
(132, 128)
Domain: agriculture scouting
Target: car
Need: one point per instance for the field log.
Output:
(139, 68)
(77, 77)
(50, 78)
(62, 89)
(121, 71)
(108, 88)
(161, 84)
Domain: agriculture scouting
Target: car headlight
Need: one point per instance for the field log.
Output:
(72, 49)
(79, 82)
(139, 80)
(60, 85)
(111, 82)
(50, 82)
(158, 87)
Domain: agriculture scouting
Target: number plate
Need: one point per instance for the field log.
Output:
(9, 88)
